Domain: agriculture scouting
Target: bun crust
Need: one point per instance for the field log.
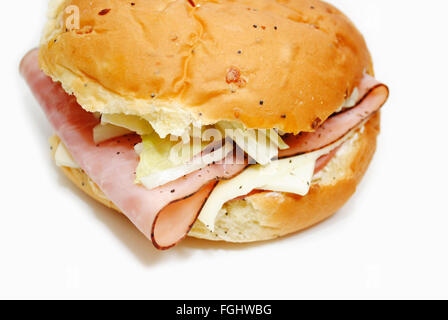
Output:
(266, 63)
(270, 215)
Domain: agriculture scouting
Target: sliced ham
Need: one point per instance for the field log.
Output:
(165, 214)
(324, 160)
(373, 96)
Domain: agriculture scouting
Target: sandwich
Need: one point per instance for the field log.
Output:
(235, 121)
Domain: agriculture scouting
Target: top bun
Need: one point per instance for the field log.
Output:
(268, 64)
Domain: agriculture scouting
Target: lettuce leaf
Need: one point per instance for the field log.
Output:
(165, 160)
(260, 145)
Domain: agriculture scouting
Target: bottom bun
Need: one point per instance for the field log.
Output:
(269, 215)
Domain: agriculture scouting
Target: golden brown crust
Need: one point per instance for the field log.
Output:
(269, 64)
(269, 215)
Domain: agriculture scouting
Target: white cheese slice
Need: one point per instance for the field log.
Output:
(104, 132)
(138, 148)
(129, 122)
(160, 178)
(63, 158)
(291, 175)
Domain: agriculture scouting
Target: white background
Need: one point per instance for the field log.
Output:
(389, 241)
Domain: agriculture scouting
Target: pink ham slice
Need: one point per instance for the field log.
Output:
(373, 96)
(324, 160)
(165, 214)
